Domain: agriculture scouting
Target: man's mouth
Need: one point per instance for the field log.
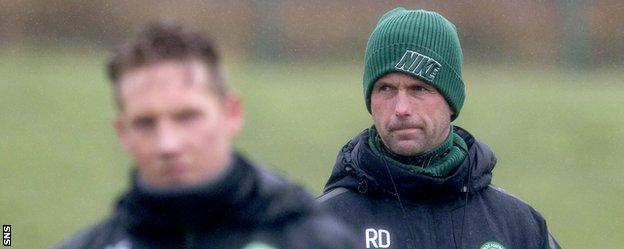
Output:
(174, 168)
(405, 132)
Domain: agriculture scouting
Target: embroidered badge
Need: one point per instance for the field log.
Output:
(124, 244)
(258, 245)
(492, 245)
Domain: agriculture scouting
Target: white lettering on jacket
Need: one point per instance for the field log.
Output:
(377, 238)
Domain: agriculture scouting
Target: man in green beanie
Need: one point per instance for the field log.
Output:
(413, 180)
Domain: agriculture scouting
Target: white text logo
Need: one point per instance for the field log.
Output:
(377, 238)
(419, 64)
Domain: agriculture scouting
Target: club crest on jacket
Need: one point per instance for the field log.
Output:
(492, 245)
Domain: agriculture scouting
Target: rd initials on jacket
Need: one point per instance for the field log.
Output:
(377, 238)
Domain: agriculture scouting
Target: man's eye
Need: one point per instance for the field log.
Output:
(420, 89)
(186, 116)
(384, 88)
(143, 123)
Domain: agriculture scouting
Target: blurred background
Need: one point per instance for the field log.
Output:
(544, 90)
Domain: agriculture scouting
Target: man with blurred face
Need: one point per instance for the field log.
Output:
(177, 119)
(413, 180)
(177, 129)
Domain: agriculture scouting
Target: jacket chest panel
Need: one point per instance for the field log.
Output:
(226, 238)
(386, 224)
(383, 223)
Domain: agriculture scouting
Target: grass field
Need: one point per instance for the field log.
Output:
(558, 136)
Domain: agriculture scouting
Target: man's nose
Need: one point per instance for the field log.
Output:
(402, 104)
(168, 140)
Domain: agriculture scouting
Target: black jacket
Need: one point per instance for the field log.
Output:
(391, 208)
(249, 206)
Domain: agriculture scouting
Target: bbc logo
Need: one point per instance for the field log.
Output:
(6, 235)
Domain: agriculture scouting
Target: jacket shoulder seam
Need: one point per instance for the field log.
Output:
(503, 191)
(331, 194)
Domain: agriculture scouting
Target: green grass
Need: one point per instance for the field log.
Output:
(558, 137)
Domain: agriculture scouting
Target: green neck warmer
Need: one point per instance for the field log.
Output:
(439, 162)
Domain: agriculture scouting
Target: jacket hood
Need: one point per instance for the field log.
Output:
(246, 195)
(359, 169)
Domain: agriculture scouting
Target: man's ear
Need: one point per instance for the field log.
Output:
(120, 129)
(451, 109)
(234, 113)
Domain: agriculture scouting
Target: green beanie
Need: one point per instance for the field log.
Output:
(419, 43)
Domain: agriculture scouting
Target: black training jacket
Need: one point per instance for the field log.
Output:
(249, 208)
(392, 208)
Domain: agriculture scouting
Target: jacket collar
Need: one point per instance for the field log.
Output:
(359, 169)
(245, 196)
